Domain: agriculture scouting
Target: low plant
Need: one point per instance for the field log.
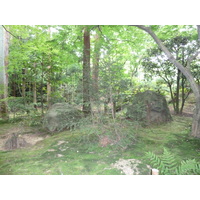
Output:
(115, 134)
(167, 165)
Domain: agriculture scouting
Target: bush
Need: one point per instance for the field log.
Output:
(117, 135)
(16, 104)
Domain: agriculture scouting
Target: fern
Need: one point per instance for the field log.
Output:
(188, 167)
(167, 165)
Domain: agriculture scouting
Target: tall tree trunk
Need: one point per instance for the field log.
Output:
(186, 72)
(34, 92)
(48, 81)
(41, 89)
(24, 84)
(95, 72)
(4, 39)
(172, 96)
(34, 88)
(86, 72)
(177, 91)
(48, 94)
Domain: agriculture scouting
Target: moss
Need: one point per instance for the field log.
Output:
(87, 157)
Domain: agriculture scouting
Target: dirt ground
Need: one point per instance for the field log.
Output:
(31, 136)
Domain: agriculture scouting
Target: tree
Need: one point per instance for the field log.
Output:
(86, 71)
(95, 69)
(186, 72)
(3, 72)
(156, 63)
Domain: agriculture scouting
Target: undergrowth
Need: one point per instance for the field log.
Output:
(82, 152)
(167, 164)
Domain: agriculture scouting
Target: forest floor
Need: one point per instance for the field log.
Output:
(77, 153)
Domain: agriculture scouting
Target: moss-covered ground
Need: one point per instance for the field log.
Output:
(67, 153)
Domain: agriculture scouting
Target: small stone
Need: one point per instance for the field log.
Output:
(60, 142)
(60, 155)
(50, 150)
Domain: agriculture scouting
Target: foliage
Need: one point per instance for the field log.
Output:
(108, 133)
(84, 157)
(62, 116)
(167, 164)
(157, 64)
(17, 105)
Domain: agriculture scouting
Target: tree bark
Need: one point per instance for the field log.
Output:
(177, 91)
(24, 85)
(34, 93)
(48, 81)
(4, 39)
(48, 94)
(186, 72)
(95, 72)
(34, 88)
(86, 72)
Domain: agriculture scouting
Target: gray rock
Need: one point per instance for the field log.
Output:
(61, 116)
(15, 142)
(149, 107)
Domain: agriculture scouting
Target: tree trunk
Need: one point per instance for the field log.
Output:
(24, 84)
(34, 88)
(95, 72)
(196, 120)
(4, 39)
(48, 94)
(48, 81)
(86, 72)
(186, 72)
(172, 96)
(34, 93)
(177, 91)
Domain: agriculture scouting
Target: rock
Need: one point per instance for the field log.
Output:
(132, 167)
(149, 107)
(15, 142)
(61, 116)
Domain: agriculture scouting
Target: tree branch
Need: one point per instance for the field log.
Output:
(187, 73)
(198, 31)
(11, 33)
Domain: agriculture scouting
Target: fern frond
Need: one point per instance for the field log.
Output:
(190, 166)
(169, 162)
(154, 159)
(167, 165)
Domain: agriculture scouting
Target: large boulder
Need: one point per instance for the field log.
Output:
(61, 116)
(149, 107)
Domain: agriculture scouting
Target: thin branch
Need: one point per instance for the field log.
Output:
(11, 33)
(191, 58)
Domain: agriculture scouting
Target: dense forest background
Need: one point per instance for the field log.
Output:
(95, 66)
(92, 74)
(43, 157)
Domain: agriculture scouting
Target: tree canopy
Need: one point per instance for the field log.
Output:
(90, 65)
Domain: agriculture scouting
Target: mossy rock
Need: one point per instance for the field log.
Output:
(62, 116)
(149, 107)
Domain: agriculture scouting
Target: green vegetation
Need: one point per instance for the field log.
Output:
(93, 74)
(168, 166)
(79, 152)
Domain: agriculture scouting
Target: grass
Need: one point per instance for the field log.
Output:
(78, 152)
